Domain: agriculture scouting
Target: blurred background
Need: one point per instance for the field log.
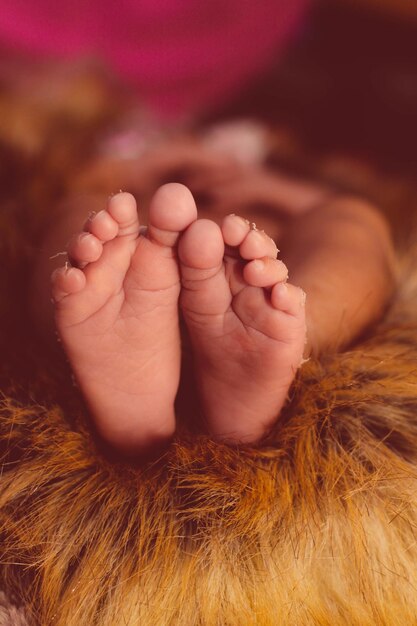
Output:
(344, 101)
(335, 80)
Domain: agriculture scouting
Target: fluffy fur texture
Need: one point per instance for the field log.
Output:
(315, 526)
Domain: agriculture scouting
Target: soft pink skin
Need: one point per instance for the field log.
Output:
(183, 55)
(117, 315)
(246, 325)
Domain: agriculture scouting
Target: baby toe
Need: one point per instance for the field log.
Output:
(171, 211)
(84, 248)
(234, 229)
(288, 298)
(66, 280)
(200, 248)
(102, 225)
(123, 209)
(257, 245)
(265, 272)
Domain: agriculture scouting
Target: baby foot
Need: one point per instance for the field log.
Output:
(246, 325)
(117, 315)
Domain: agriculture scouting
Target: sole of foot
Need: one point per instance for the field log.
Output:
(246, 326)
(116, 311)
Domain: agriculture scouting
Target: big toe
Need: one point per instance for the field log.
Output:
(201, 247)
(171, 211)
(204, 286)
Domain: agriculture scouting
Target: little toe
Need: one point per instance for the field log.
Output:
(66, 280)
(265, 272)
(171, 211)
(123, 209)
(288, 298)
(84, 248)
(102, 225)
(257, 245)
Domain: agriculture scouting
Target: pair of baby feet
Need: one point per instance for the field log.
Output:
(117, 310)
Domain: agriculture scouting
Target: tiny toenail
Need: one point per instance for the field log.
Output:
(240, 219)
(71, 270)
(259, 264)
(258, 235)
(282, 289)
(84, 236)
(99, 215)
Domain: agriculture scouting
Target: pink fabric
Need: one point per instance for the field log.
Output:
(183, 55)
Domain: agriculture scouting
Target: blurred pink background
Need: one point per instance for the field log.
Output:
(183, 55)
